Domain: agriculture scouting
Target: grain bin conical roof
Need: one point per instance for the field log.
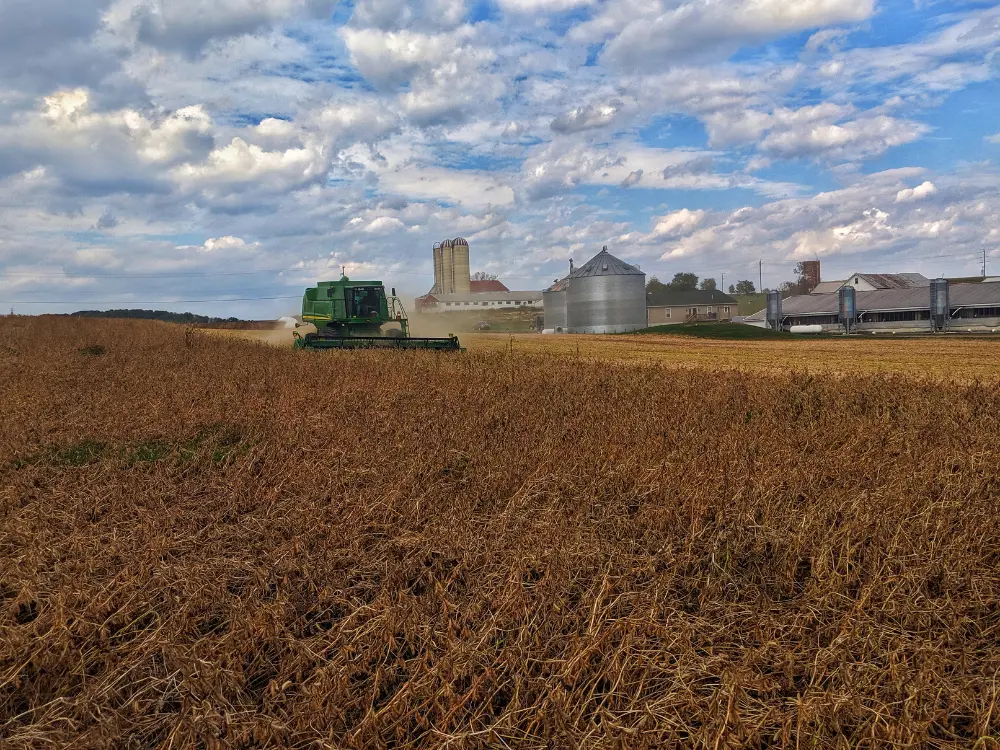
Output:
(605, 264)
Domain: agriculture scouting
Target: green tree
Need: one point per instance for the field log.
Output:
(745, 286)
(655, 286)
(801, 282)
(799, 286)
(483, 276)
(684, 282)
(708, 285)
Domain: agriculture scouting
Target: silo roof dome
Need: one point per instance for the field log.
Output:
(446, 243)
(605, 264)
(459, 241)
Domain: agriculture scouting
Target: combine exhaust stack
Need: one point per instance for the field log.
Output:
(358, 315)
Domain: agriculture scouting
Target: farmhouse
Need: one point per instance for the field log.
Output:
(668, 306)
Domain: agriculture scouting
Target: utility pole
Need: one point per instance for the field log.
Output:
(984, 262)
(722, 286)
(760, 275)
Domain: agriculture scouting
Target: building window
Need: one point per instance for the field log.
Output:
(466, 304)
(666, 313)
(447, 304)
(709, 309)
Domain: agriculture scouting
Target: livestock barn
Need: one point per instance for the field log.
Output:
(970, 307)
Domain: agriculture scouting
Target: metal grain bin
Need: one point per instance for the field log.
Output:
(848, 308)
(606, 295)
(554, 303)
(940, 306)
(774, 316)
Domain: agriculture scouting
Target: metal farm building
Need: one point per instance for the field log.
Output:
(939, 306)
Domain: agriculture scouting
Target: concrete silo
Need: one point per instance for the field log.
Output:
(606, 295)
(447, 268)
(438, 273)
(460, 252)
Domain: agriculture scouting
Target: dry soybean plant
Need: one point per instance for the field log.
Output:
(206, 542)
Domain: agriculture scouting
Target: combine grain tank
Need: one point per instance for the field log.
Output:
(554, 304)
(940, 306)
(606, 295)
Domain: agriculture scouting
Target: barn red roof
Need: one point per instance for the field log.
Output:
(480, 287)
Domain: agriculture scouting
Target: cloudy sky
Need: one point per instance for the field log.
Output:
(176, 153)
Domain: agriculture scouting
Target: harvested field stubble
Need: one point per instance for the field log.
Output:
(211, 543)
(944, 356)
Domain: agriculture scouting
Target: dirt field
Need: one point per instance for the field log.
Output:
(211, 543)
(948, 358)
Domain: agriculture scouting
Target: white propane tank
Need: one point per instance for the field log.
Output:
(548, 330)
(806, 329)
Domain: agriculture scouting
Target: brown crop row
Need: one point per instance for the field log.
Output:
(206, 542)
(942, 357)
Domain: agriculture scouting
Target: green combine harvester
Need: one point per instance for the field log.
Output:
(358, 315)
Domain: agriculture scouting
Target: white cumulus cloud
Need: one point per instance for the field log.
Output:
(189, 24)
(542, 6)
(648, 35)
(678, 222)
(214, 244)
(384, 225)
(920, 192)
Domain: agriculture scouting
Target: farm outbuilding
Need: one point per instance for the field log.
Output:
(974, 307)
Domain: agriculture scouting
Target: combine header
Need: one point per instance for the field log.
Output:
(358, 315)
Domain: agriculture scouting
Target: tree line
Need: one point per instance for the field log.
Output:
(167, 317)
(686, 282)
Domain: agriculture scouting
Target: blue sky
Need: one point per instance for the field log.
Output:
(155, 153)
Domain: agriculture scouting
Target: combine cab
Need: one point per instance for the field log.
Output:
(358, 315)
